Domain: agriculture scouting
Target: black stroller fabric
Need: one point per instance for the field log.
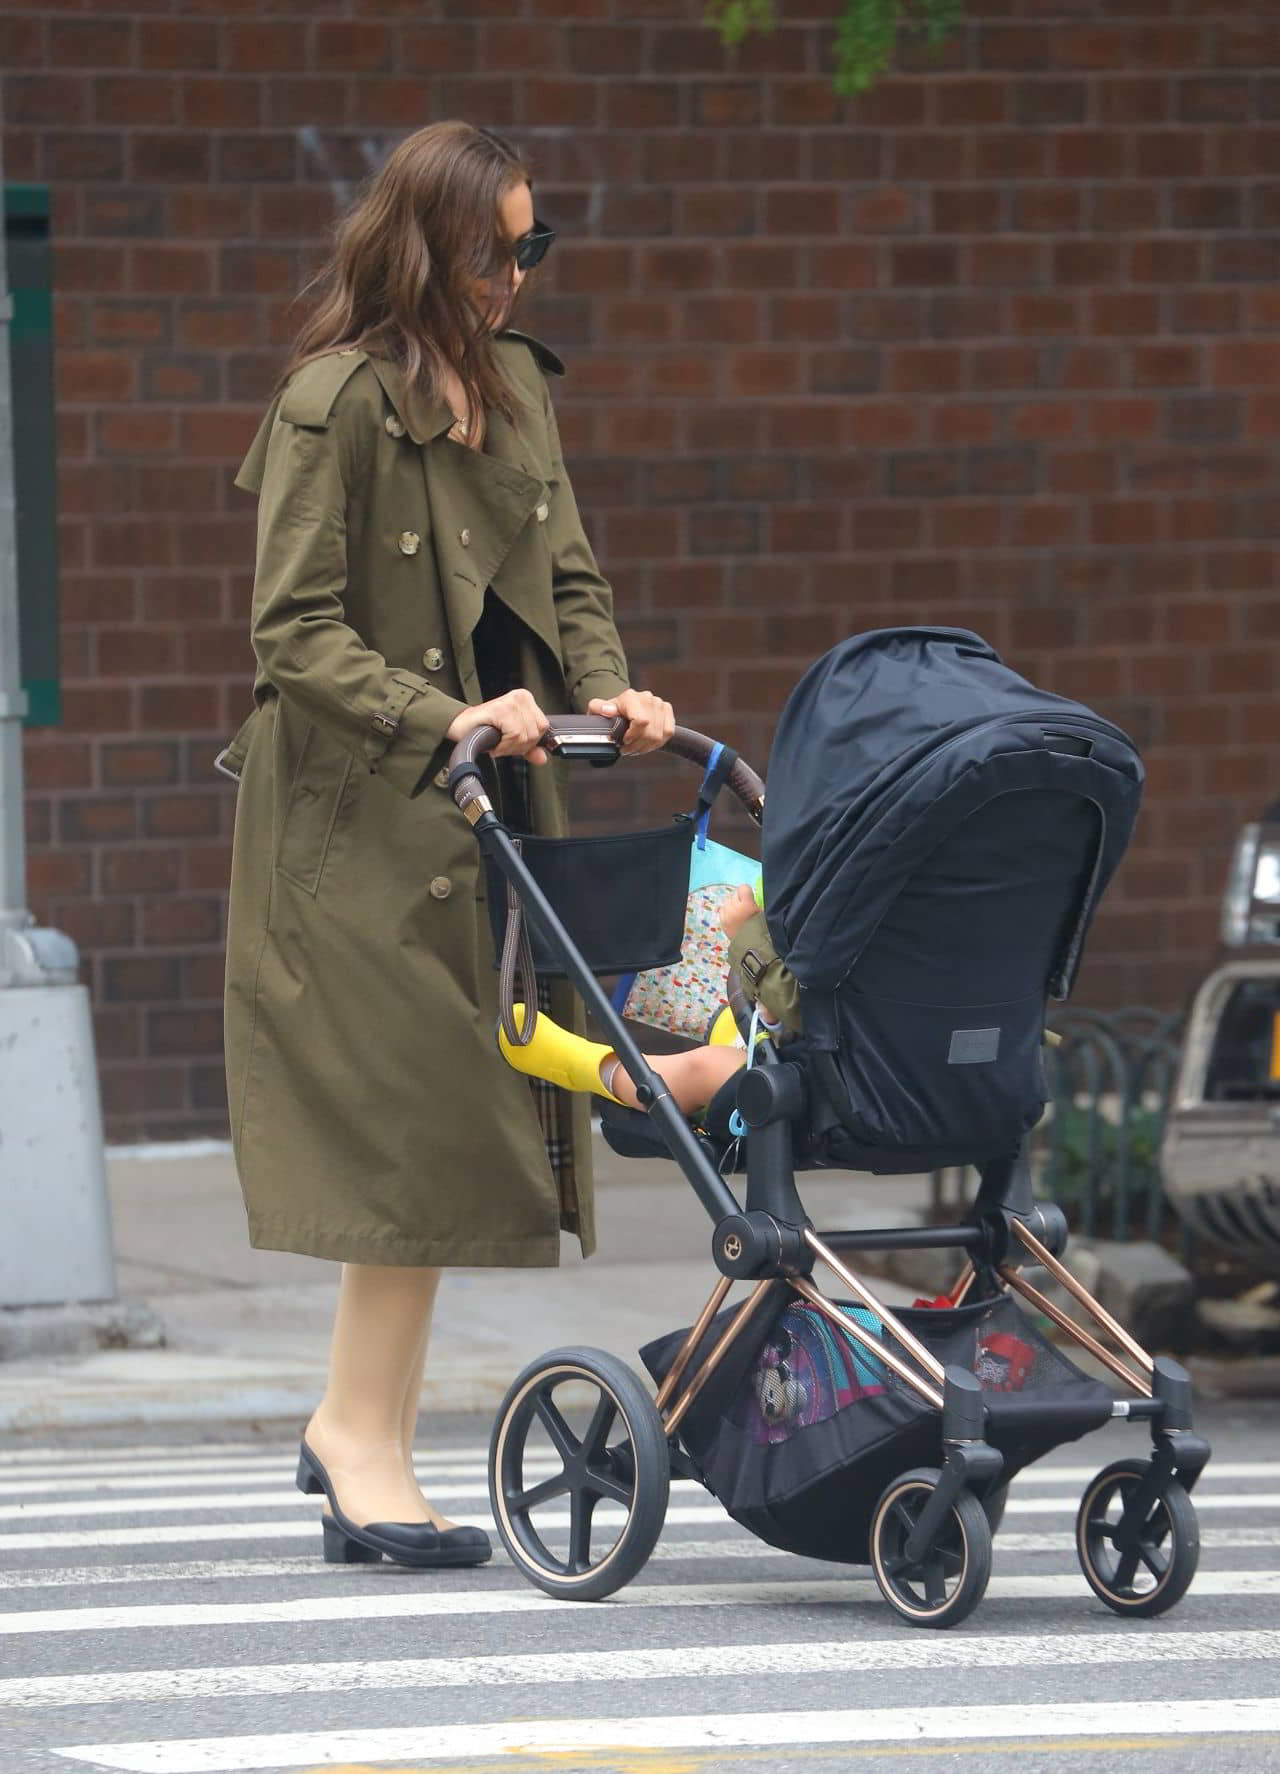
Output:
(799, 1430)
(937, 835)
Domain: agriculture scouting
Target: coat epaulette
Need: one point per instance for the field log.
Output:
(312, 391)
(543, 355)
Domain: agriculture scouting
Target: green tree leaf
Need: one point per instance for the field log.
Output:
(866, 32)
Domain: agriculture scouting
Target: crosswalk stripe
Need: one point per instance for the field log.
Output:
(706, 1514)
(741, 1546)
(549, 1737)
(215, 1456)
(701, 1510)
(428, 1604)
(453, 1480)
(644, 1663)
(460, 1482)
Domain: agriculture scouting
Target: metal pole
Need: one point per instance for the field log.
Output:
(53, 1174)
(13, 703)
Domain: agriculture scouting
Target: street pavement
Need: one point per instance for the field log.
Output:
(246, 1332)
(164, 1607)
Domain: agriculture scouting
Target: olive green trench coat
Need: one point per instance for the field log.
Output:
(372, 1117)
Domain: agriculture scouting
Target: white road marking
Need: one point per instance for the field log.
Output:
(548, 1737)
(704, 1509)
(60, 1462)
(237, 1681)
(737, 1544)
(466, 1481)
(815, 1592)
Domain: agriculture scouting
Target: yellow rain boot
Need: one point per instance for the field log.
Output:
(558, 1055)
(724, 1031)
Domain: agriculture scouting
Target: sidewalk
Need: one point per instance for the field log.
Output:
(246, 1332)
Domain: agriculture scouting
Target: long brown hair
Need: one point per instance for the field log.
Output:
(400, 276)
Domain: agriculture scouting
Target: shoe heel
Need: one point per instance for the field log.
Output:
(341, 1549)
(306, 1480)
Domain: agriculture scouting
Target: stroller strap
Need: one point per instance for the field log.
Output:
(516, 972)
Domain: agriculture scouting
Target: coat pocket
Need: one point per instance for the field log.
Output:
(316, 798)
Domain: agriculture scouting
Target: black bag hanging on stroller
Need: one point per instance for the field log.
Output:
(936, 826)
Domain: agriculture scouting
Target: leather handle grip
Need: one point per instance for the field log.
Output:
(742, 781)
(587, 735)
(565, 736)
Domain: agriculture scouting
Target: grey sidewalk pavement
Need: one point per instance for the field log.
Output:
(243, 1334)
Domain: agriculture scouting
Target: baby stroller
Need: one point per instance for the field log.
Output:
(939, 835)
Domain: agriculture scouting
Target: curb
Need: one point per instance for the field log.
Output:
(48, 1400)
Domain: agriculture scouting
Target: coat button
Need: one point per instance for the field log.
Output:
(464, 536)
(394, 426)
(441, 887)
(433, 658)
(409, 541)
(441, 777)
(541, 514)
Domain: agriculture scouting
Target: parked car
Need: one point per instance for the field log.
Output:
(1221, 1150)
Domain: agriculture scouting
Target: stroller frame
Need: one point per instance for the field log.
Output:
(770, 1241)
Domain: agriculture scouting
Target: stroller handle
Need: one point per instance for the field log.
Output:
(599, 739)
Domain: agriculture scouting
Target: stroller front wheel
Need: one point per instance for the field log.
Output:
(947, 1583)
(578, 1428)
(1147, 1566)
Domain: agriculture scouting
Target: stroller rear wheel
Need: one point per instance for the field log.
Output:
(947, 1583)
(578, 1427)
(1148, 1568)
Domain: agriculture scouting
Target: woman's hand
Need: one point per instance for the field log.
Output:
(735, 910)
(651, 721)
(516, 716)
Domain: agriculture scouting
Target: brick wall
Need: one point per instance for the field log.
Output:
(997, 345)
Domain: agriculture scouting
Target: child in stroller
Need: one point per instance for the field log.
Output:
(697, 1077)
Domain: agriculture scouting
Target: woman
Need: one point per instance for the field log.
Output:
(421, 570)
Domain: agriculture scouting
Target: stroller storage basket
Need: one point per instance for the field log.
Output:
(798, 1433)
(621, 897)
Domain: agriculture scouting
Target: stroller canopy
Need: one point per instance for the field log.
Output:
(884, 747)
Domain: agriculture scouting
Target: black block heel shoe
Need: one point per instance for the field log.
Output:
(414, 1543)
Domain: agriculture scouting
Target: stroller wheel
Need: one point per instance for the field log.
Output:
(944, 1586)
(579, 1473)
(1148, 1569)
(993, 1506)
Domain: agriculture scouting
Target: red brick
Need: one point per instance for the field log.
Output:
(179, 270)
(1232, 260)
(802, 210)
(1164, 261)
(1046, 208)
(926, 370)
(881, 424)
(134, 431)
(923, 265)
(1124, 418)
(970, 421)
(1165, 366)
(845, 265)
(1125, 209)
(921, 157)
(93, 376)
(888, 209)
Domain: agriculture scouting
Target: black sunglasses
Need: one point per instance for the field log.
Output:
(531, 249)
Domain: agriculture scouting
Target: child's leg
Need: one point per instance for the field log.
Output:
(575, 1064)
(693, 1078)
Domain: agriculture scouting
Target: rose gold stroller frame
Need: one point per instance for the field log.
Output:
(769, 1240)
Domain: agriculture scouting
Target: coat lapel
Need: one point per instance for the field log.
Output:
(480, 502)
